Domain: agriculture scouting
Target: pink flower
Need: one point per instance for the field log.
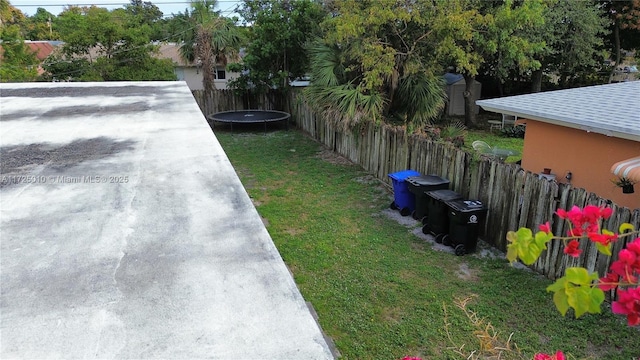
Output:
(572, 248)
(628, 304)
(411, 358)
(606, 213)
(545, 227)
(634, 246)
(559, 355)
(604, 239)
(609, 282)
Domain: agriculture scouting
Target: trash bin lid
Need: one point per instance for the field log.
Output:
(427, 180)
(401, 175)
(443, 195)
(462, 205)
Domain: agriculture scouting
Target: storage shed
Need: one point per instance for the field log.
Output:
(455, 93)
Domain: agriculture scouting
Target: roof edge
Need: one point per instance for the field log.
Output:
(595, 128)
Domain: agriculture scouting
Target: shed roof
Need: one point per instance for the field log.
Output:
(612, 109)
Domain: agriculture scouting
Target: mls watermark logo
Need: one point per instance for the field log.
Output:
(473, 219)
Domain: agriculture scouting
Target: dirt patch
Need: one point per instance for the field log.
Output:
(333, 158)
(294, 231)
(264, 221)
(466, 273)
(246, 176)
(392, 315)
(417, 247)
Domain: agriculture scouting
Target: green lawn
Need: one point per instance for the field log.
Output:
(380, 291)
(494, 139)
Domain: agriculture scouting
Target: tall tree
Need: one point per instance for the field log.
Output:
(106, 45)
(146, 14)
(471, 34)
(208, 38)
(573, 33)
(276, 52)
(9, 14)
(17, 62)
(624, 17)
(40, 26)
(375, 64)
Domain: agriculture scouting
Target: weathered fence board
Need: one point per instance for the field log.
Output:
(515, 198)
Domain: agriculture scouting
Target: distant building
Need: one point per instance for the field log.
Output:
(192, 72)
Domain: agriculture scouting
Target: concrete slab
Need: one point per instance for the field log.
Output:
(126, 233)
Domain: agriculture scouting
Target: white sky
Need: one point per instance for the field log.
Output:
(168, 7)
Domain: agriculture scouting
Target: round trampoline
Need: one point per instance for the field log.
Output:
(250, 117)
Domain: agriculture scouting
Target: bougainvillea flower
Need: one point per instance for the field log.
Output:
(562, 213)
(411, 358)
(628, 304)
(609, 282)
(545, 227)
(606, 212)
(625, 271)
(626, 256)
(574, 232)
(634, 246)
(575, 216)
(572, 248)
(559, 355)
(604, 239)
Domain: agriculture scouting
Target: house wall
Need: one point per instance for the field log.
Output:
(193, 77)
(588, 156)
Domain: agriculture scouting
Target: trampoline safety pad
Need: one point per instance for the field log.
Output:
(126, 233)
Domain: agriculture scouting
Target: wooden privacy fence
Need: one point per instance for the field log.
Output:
(515, 198)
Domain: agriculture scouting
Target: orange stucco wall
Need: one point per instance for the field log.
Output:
(588, 156)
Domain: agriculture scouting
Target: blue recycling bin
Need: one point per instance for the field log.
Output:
(403, 199)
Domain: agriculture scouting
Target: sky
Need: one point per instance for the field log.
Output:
(168, 7)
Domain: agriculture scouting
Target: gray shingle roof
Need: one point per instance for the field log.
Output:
(612, 109)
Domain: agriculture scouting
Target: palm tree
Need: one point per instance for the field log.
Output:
(409, 97)
(209, 39)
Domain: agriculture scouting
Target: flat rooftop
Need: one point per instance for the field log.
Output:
(126, 233)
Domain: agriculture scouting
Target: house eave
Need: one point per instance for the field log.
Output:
(584, 125)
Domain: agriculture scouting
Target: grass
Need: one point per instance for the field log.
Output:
(494, 139)
(379, 290)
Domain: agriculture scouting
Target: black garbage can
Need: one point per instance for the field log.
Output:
(465, 217)
(437, 222)
(418, 185)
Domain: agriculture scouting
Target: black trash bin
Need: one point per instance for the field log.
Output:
(418, 185)
(465, 217)
(437, 222)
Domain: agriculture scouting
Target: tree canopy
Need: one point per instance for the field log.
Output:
(376, 63)
(103, 45)
(276, 50)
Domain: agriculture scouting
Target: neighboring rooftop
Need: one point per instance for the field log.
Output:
(612, 109)
(126, 234)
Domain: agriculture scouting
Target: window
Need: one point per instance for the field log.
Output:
(221, 74)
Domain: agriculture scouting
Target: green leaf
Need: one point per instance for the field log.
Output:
(560, 299)
(575, 290)
(604, 249)
(579, 276)
(524, 246)
(626, 227)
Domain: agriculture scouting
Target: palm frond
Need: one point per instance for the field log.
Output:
(420, 97)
